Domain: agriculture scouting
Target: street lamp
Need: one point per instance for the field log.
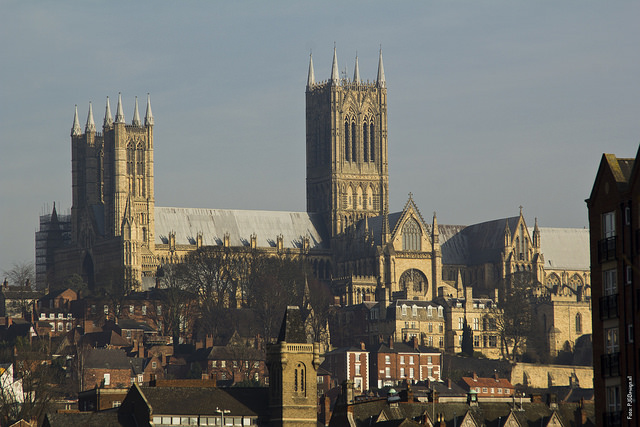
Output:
(222, 412)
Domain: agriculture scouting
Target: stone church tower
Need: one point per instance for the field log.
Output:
(347, 171)
(293, 365)
(112, 214)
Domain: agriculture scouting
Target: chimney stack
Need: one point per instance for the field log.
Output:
(391, 342)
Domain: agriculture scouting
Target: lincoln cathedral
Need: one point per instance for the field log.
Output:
(368, 253)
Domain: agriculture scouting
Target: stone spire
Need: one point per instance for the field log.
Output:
(136, 115)
(76, 130)
(356, 72)
(381, 81)
(335, 76)
(311, 80)
(507, 234)
(119, 111)
(385, 226)
(108, 120)
(91, 125)
(148, 116)
(536, 235)
(435, 232)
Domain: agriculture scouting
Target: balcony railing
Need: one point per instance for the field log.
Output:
(609, 307)
(607, 249)
(610, 364)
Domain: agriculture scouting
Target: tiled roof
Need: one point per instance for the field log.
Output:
(487, 382)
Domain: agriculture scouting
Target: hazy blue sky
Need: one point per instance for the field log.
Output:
(492, 104)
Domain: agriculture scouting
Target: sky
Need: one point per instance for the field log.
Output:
(492, 105)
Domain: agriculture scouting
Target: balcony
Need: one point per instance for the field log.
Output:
(609, 307)
(607, 249)
(610, 364)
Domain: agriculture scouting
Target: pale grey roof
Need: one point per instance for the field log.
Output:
(565, 248)
(240, 224)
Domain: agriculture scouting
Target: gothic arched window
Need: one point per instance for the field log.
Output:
(347, 141)
(411, 236)
(354, 152)
(372, 138)
(579, 323)
(365, 141)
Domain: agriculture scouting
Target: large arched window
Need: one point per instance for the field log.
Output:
(354, 152)
(347, 141)
(372, 138)
(411, 236)
(413, 280)
(365, 141)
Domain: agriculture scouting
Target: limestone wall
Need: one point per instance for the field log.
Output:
(542, 376)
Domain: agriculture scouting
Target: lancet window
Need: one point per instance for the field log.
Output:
(411, 236)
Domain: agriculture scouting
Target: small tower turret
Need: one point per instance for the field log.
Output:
(335, 75)
(91, 124)
(381, 80)
(136, 115)
(356, 72)
(108, 120)
(76, 130)
(311, 79)
(119, 110)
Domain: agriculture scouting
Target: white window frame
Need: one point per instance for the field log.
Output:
(610, 278)
(609, 224)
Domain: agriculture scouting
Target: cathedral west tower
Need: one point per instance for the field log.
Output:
(113, 199)
(347, 167)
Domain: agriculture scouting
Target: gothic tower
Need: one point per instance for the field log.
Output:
(293, 365)
(347, 170)
(113, 202)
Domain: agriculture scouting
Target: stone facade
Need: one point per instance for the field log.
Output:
(348, 234)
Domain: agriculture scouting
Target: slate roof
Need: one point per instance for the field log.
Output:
(292, 328)
(86, 419)
(240, 224)
(193, 401)
(98, 358)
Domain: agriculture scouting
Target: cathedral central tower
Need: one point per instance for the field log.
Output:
(347, 167)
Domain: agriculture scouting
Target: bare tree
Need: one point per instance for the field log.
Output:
(177, 300)
(21, 273)
(317, 308)
(514, 317)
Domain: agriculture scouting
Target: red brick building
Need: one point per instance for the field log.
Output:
(488, 387)
(393, 363)
(349, 363)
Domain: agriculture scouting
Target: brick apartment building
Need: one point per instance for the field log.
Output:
(349, 364)
(392, 363)
(614, 222)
